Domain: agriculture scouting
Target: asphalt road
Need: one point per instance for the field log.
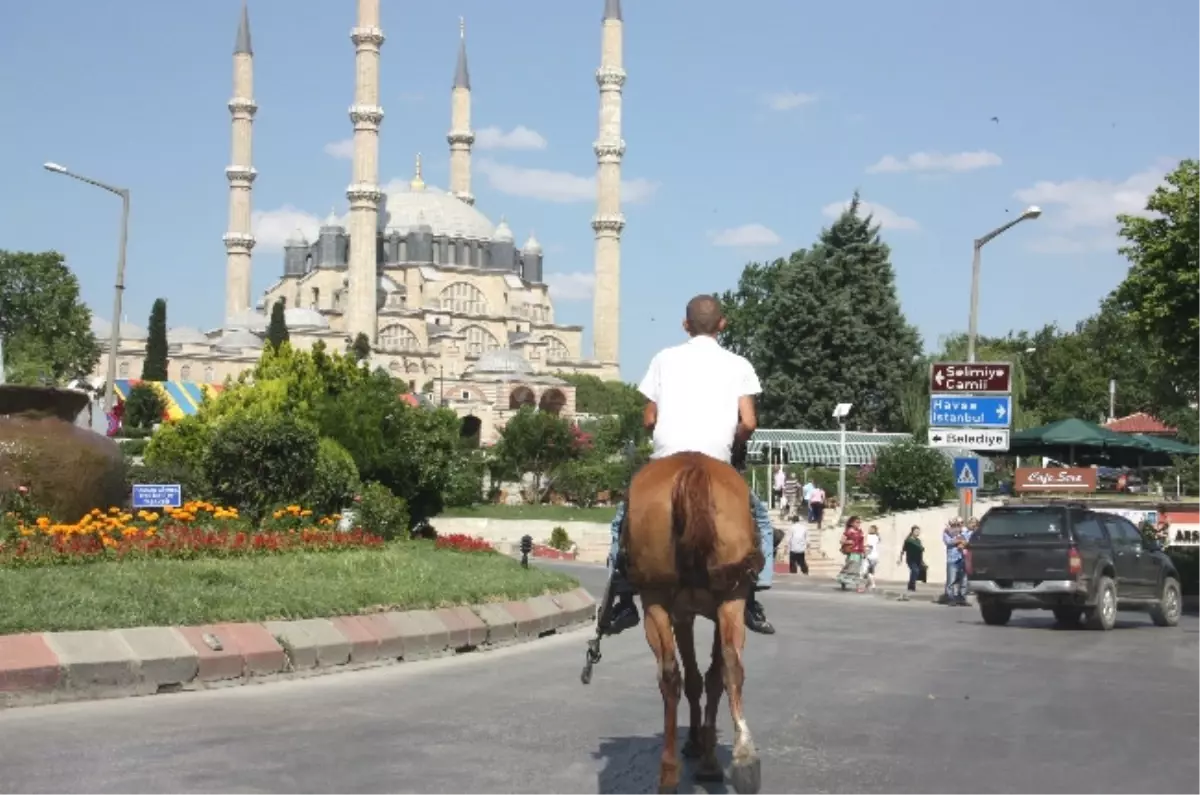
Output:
(855, 694)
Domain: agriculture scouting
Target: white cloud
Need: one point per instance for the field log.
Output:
(884, 216)
(929, 162)
(561, 187)
(273, 227)
(518, 138)
(745, 235)
(340, 150)
(571, 286)
(788, 100)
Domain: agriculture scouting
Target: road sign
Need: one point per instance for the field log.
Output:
(966, 473)
(993, 441)
(981, 378)
(157, 495)
(970, 411)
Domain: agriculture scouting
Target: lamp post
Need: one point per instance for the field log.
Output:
(119, 288)
(1029, 214)
(839, 414)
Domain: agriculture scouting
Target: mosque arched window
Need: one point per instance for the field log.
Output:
(209, 375)
(464, 298)
(123, 370)
(479, 340)
(556, 349)
(398, 338)
(185, 372)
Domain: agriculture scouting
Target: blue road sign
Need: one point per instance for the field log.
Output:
(966, 473)
(970, 411)
(160, 495)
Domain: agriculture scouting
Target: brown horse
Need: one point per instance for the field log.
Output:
(692, 551)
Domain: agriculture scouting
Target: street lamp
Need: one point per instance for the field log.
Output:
(839, 414)
(1030, 213)
(119, 288)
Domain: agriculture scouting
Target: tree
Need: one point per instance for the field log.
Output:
(41, 316)
(1159, 292)
(825, 327)
(361, 347)
(254, 462)
(144, 407)
(908, 475)
(154, 366)
(620, 406)
(277, 330)
(535, 442)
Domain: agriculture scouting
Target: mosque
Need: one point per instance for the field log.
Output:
(450, 303)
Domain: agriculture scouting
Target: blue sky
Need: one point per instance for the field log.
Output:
(746, 124)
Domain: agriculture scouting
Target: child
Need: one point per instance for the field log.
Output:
(872, 557)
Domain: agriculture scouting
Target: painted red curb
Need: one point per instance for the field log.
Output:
(543, 551)
(35, 669)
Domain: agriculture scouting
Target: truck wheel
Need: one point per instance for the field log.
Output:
(995, 615)
(1104, 615)
(1068, 616)
(1166, 612)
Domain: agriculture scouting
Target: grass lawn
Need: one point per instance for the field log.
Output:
(301, 585)
(549, 513)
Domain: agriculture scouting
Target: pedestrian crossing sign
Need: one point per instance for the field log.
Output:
(966, 473)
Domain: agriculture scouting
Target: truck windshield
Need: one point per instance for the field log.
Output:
(1031, 522)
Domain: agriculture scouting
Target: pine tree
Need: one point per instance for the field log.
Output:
(826, 328)
(361, 347)
(154, 366)
(277, 332)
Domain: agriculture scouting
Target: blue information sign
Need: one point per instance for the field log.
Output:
(966, 473)
(970, 411)
(157, 495)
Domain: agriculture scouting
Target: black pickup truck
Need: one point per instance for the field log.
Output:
(1083, 565)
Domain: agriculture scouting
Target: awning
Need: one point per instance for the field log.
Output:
(823, 448)
(183, 398)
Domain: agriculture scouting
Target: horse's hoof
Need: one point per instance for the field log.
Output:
(746, 775)
(709, 773)
(691, 749)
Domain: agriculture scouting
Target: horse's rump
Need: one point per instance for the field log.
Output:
(688, 524)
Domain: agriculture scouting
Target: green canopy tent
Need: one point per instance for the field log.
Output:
(1080, 442)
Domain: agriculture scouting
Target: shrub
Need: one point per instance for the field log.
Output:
(465, 485)
(335, 479)
(559, 539)
(133, 447)
(179, 444)
(382, 513)
(256, 461)
(908, 475)
(582, 481)
(144, 407)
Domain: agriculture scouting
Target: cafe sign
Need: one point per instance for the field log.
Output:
(1071, 479)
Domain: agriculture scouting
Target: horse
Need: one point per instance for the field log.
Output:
(692, 550)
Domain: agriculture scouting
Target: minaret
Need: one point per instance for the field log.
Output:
(238, 240)
(460, 136)
(608, 221)
(364, 193)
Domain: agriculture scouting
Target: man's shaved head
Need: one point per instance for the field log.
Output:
(704, 316)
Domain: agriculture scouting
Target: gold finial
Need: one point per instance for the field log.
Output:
(462, 27)
(417, 183)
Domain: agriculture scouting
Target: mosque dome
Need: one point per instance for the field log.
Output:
(532, 246)
(101, 328)
(502, 361)
(186, 335)
(299, 318)
(127, 331)
(502, 234)
(407, 206)
(237, 341)
(249, 320)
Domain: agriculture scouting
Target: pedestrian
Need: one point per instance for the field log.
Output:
(780, 479)
(872, 557)
(791, 496)
(816, 505)
(852, 547)
(798, 547)
(806, 495)
(953, 540)
(913, 553)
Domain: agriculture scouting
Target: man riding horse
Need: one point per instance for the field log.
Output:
(693, 390)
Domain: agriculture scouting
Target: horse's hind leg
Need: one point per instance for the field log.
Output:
(693, 684)
(661, 636)
(746, 771)
(710, 766)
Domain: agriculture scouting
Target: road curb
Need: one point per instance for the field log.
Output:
(51, 667)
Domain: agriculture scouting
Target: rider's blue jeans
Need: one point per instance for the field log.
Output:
(766, 538)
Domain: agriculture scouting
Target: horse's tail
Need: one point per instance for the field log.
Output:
(693, 523)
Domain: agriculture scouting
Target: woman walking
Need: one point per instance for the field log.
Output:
(853, 545)
(913, 553)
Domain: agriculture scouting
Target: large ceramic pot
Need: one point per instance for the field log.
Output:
(69, 469)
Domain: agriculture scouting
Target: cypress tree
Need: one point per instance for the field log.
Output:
(154, 366)
(361, 348)
(277, 332)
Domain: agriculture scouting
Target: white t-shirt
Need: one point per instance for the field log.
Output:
(780, 479)
(872, 547)
(696, 386)
(798, 541)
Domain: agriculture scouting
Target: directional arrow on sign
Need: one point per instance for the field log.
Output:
(939, 378)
